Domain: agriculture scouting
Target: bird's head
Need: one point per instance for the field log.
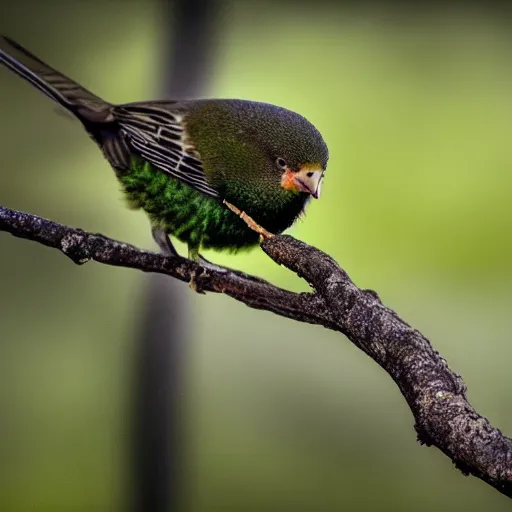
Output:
(257, 147)
(294, 150)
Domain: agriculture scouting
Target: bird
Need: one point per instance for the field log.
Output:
(182, 161)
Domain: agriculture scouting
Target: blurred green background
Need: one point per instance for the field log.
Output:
(416, 107)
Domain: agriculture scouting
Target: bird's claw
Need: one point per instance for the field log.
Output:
(194, 283)
(202, 270)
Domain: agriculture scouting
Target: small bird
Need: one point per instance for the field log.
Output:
(180, 161)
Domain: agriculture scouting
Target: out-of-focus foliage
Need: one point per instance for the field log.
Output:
(417, 113)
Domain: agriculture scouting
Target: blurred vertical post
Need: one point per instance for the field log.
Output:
(187, 59)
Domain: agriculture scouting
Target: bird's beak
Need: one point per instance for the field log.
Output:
(309, 180)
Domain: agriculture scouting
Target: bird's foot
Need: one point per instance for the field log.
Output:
(194, 255)
(249, 220)
(194, 284)
(205, 266)
(163, 241)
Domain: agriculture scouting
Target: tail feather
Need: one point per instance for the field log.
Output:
(96, 114)
(54, 84)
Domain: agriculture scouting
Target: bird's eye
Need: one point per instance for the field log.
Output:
(282, 163)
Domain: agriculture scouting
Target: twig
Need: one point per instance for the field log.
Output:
(248, 220)
(435, 394)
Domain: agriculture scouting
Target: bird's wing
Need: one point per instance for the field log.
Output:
(157, 134)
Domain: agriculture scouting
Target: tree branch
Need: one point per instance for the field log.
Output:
(435, 394)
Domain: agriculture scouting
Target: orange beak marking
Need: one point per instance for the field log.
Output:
(288, 181)
(306, 179)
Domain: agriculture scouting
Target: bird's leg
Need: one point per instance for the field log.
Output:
(194, 255)
(163, 241)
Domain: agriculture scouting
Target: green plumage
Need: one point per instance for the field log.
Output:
(178, 160)
(194, 218)
(183, 212)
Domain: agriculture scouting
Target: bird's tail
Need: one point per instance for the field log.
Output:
(95, 114)
(71, 95)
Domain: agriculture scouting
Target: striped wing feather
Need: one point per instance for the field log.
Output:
(157, 135)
